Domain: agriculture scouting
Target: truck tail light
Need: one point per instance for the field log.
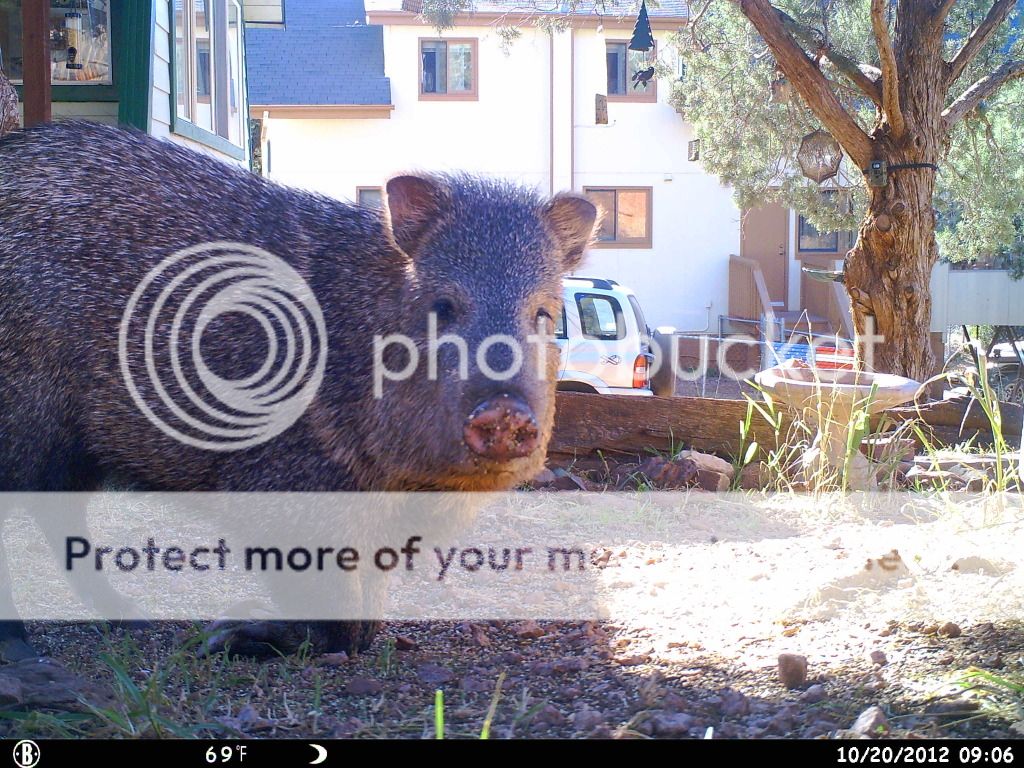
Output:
(640, 378)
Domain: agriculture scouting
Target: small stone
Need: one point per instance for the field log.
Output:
(671, 724)
(872, 722)
(433, 674)
(946, 660)
(814, 694)
(711, 462)
(405, 643)
(792, 670)
(363, 686)
(949, 629)
(634, 660)
(333, 659)
(530, 630)
(709, 480)
(10, 691)
(879, 658)
(587, 720)
(549, 715)
(733, 703)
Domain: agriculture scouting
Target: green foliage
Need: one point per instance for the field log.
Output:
(727, 97)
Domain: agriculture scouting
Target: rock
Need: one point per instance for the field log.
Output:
(635, 660)
(251, 720)
(814, 694)
(543, 478)
(530, 630)
(949, 629)
(587, 720)
(479, 635)
(946, 660)
(935, 478)
(878, 657)
(363, 686)
(433, 674)
(754, 476)
(792, 670)
(333, 659)
(549, 714)
(871, 722)
(710, 462)
(10, 691)
(670, 723)
(405, 643)
(668, 474)
(475, 684)
(45, 684)
(733, 703)
(709, 480)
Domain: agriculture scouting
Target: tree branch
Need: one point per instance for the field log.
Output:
(890, 74)
(981, 90)
(976, 41)
(808, 80)
(864, 76)
(942, 11)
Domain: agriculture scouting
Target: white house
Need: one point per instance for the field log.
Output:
(466, 99)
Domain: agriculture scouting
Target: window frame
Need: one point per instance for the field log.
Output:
(377, 189)
(620, 318)
(220, 80)
(649, 95)
(647, 242)
(472, 95)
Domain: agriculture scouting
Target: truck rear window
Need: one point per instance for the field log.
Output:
(600, 317)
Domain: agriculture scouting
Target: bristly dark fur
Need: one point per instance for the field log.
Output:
(87, 210)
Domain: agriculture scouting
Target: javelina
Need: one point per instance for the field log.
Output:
(86, 214)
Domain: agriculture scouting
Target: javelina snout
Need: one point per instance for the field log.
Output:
(502, 428)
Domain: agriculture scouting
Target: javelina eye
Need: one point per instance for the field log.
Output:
(445, 311)
(544, 320)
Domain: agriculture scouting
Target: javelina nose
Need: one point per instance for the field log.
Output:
(501, 428)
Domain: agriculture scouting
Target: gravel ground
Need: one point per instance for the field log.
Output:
(886, 642)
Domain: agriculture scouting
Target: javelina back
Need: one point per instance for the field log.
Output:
(88, 212)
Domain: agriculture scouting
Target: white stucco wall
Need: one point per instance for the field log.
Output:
(515, 130)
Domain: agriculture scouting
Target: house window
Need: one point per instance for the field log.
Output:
(208, 67)
(811, 240)
(627, 221)
(448, 69)
(79, 42)
(628, 71)
(370, 197)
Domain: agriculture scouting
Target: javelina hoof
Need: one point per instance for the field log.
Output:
(273, 638)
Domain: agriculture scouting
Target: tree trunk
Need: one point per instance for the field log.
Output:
(888, 271)
(888, 274)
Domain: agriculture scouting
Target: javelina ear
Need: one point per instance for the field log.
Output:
(414, 204)
(572, 218)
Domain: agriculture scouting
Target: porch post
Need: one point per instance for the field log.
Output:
(35, 23)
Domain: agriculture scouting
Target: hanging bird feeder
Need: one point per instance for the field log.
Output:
(819, 156)
(643, 38)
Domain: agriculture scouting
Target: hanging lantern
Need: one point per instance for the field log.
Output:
(73, 30)
(819, 156)
(643, 38)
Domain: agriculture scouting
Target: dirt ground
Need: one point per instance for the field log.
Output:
(915, 612)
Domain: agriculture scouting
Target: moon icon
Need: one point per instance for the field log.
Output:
(321, 754)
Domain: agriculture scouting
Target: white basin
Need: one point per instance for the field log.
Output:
(826, 399)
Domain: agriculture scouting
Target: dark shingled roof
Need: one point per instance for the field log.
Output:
(325, 54)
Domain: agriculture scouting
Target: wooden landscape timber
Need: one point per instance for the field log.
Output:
(611, 424)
